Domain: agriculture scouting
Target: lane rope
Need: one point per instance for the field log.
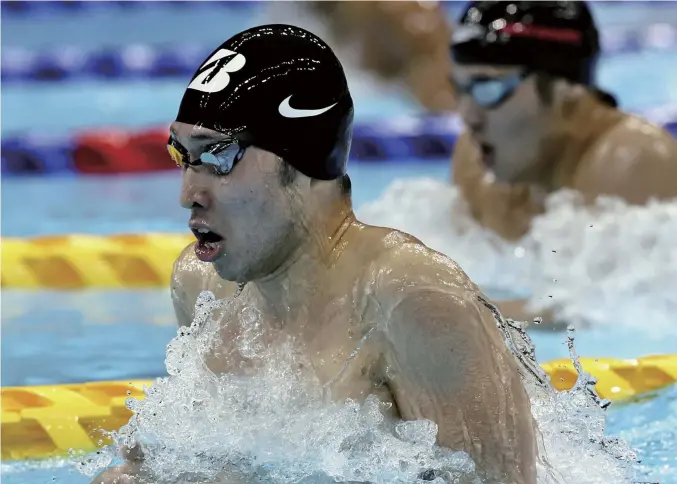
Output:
(84, 261)
(47, 421)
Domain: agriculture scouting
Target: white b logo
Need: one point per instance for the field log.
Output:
(212, 80)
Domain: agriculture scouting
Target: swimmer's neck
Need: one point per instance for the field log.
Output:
(578, 120)
(287, 290)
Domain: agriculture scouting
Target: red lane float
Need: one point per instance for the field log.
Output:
(118, 152)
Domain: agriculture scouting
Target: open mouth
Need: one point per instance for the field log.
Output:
(488, 157)
(209, 244)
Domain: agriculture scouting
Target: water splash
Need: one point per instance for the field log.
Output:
(650, 425)
(571, 424)
(610, 263)
(267, 420)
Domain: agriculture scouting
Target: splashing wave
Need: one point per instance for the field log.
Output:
(610, 263)
(272, 423)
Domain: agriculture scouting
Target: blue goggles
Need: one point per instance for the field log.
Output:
(491, 92)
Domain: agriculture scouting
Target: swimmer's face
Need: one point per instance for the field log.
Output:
(504, 114)
(242, 220)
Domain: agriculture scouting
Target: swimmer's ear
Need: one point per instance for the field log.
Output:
(565, 96)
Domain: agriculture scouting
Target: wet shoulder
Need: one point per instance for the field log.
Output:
(635, 160)
(400, 261)
(191, 276)
(466, 165)
(190, 271)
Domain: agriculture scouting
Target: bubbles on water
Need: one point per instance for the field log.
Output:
(270, 423)
(572, 444)
(610, 263)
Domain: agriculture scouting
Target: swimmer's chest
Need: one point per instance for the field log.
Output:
(337, 338)
(345, 347)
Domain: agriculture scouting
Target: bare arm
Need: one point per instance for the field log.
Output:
(451, 367)
(402, 41)
(502, 208)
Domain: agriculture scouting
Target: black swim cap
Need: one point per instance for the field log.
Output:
(282, 89)
(559, 38)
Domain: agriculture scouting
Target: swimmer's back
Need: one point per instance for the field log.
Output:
(635, 160)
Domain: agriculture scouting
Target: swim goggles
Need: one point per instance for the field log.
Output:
(491, 92)
(223, 155)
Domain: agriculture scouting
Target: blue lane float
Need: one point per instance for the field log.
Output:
(75, 63)
(37, 155)
(104, 152)
(161, 61)
(32, 8)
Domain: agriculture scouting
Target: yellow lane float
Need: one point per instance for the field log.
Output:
(82, 261)
(47, 421)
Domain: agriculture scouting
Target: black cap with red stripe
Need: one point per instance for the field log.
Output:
(559, 38)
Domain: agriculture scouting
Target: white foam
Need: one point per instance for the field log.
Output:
(610, 263)
(274, 423)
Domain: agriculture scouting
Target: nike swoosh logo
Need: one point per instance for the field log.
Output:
(289, 112)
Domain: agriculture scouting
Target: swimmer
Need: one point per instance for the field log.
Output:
(262, 137)
(536, 123)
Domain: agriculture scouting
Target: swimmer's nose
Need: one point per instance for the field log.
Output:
(194, 194)
(471, 114)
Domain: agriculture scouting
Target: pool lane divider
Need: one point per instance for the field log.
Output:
(91, 261)
(401, 139)
(115, 151)
(51, 420)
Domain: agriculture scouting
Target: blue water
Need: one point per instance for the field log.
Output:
(641, 75)
(56, 337)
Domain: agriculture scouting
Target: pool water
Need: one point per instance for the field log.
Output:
(62, 337)
(53, 337)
